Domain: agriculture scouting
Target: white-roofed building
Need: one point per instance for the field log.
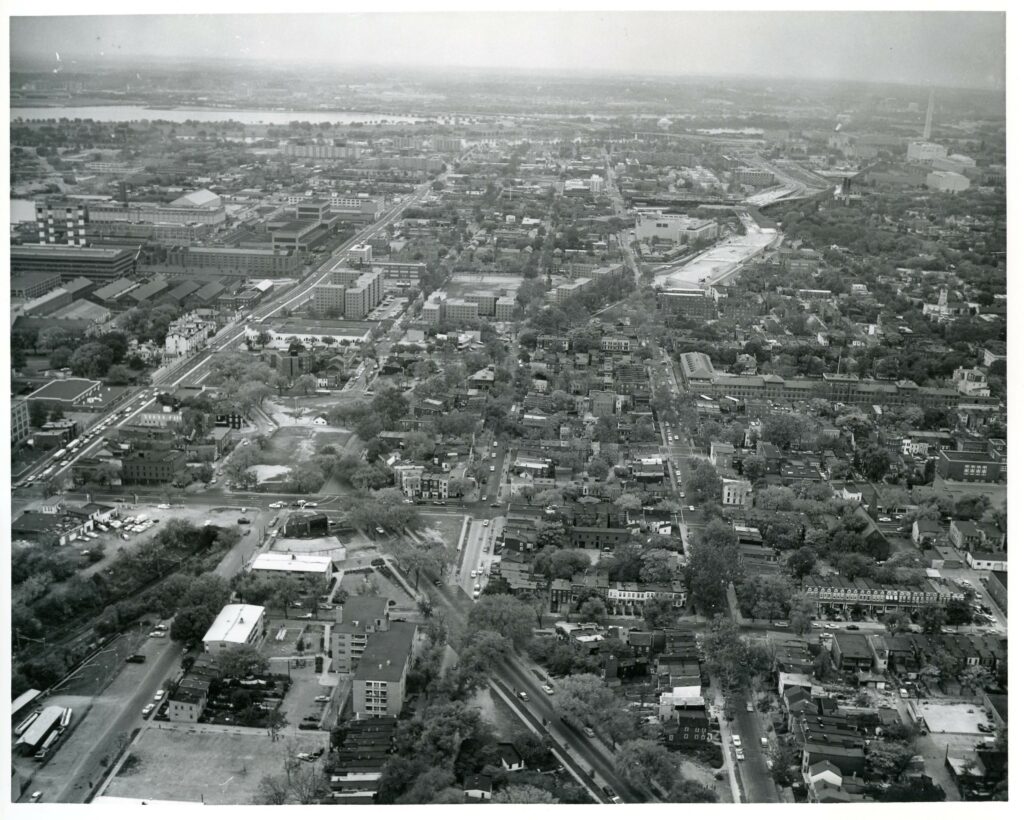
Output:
(236, 625)
(311, 570)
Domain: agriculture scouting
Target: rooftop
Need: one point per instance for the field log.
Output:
(289, 562)
(386, 654)
(234, 623)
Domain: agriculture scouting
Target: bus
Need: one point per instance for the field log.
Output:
(74, 445)
(60, 453)
(48, 744)
(26, 723)
(46, 472)
(65, 719)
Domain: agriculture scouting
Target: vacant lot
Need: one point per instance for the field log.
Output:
(291, 445)
(216, 765)
(446, 528)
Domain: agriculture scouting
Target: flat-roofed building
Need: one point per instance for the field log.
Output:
(152, 466)
(504, 308)
(47, 303)
(312, 571)
(378, 683)
(563, 293)
(236, 261)
(61, 223)
(329, 298)
(693, 303)
(236, 625)
(66, 391)
(363, 295)
(33, 285)
(73, 261)
(20, 426)
(361, 616)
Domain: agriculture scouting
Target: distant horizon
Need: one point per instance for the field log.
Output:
(436, 73)
(903, 49)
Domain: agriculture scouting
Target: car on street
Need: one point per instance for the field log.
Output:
(750, 706)
(487, 523)
(764, 743)
(832, 626)
(522, 696)
(276, 505)
(739, 754)
(737, 741)
(609, 792)
(37, 796)
(163, 506)
(159, 696)
(547, 689)
(589, 732)
(322, 698)
(147, 709)
(853, 627)
(311, 504)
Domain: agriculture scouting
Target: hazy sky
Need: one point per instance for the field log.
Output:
(944, 48)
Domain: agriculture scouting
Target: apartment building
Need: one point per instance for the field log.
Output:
(378, 684)
(361, 616)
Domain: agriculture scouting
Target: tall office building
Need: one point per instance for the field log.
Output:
(60, 223)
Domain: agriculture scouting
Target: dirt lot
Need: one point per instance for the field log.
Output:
(447, 528)
(216, 765)
(290, 445)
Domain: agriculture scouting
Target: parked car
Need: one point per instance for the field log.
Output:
(548, 690)
(522, 696)
(589, 732)
(739, 754)
(322, 699)
(147, 709)
(737, 741)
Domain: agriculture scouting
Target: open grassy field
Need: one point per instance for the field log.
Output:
(216, 765)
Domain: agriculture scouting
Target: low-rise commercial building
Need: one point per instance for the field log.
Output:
(236, 625)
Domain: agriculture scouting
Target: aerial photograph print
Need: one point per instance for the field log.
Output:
(550, 406)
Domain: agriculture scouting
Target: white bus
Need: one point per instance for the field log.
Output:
(48, 744)
(65, 719)
(23, 726)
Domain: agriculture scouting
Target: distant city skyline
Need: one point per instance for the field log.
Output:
(955, 49)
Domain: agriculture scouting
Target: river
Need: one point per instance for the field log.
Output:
(133, 113)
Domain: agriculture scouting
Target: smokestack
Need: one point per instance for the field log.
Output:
(928, 117)
(122, 190)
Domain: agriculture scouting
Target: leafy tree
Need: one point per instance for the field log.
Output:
(91, 360)
(524, 793)
(932, 619)
(242, 661)
(888, 759)
(119, 374)
(802, 562)
(642, 763)
(561, 563)
(754, 468)
(504, 615)
(713, 565)
(873, 463)
(764, 597)
(659, 613)
(594, 610)
(657, 566)
(896, 622)
(691, 791)
(307, 383)
(60, 357)
(703, 483)
(37, 414)
(584, 699)
(427, 785)
(802, 612)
